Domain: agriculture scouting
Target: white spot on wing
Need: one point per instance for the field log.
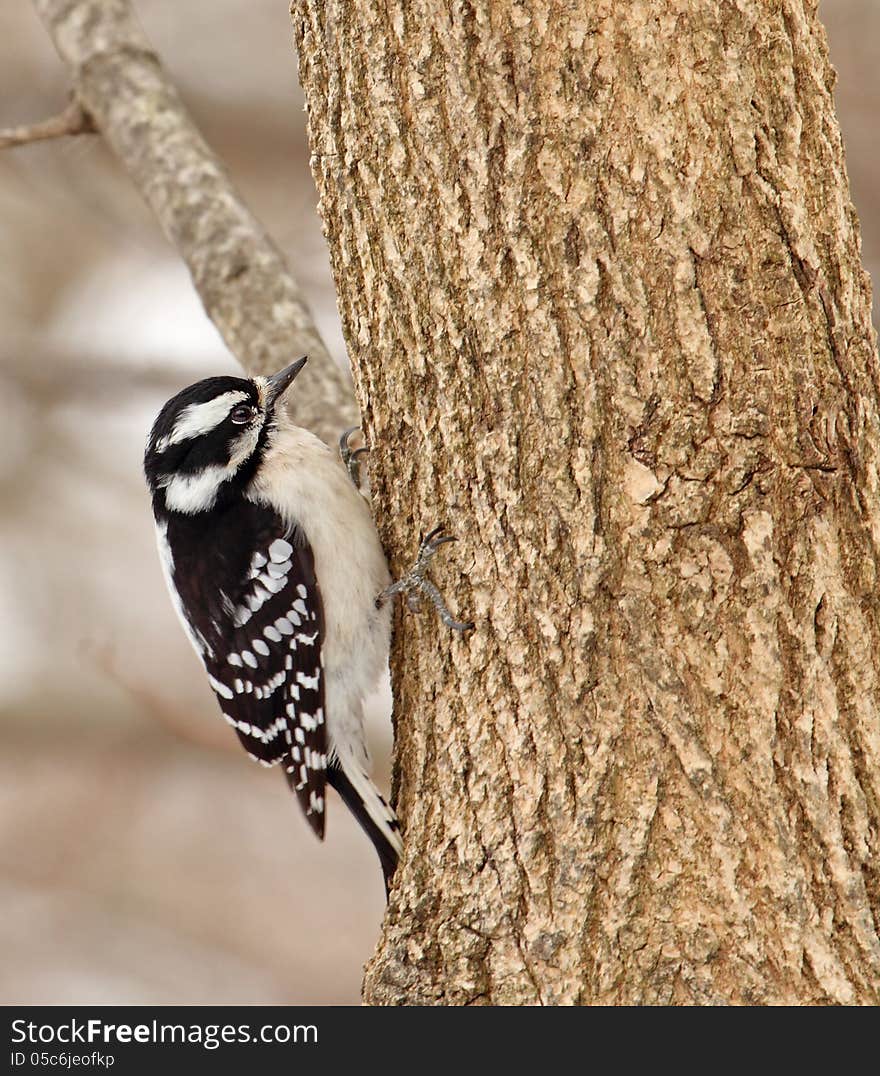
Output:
(219, 687)
(280, 550)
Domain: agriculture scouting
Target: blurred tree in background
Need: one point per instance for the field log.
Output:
(136, 845)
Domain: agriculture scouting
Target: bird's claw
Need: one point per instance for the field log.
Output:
(415, 583)
(351, 457)
(430, 544)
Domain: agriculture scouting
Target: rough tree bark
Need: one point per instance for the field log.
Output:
(238, 272)
(600, 280)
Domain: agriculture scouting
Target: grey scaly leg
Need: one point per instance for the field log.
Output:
(415, 583)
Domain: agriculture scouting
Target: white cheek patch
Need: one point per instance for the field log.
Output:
(200, 418)
(191, 493)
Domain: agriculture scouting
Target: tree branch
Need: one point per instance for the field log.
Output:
(244, 284)
(74, 120)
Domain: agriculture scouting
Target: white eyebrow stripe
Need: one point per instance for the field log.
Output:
(200, 418)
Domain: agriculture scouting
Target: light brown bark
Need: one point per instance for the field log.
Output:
(600, 281)
(240, 275)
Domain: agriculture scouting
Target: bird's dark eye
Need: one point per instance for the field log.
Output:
(241, 414)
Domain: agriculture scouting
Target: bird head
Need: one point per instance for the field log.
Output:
(208, 440)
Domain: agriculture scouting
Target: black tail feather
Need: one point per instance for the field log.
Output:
(352, 799)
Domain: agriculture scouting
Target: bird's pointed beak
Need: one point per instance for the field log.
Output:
(279, 383)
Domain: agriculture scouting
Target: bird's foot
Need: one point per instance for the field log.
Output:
(415, 583)
(351, 456)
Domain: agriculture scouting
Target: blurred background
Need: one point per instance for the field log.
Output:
(143, 858)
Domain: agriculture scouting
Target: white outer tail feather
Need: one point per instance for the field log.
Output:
(374, 803)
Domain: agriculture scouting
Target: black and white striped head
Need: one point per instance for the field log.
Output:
(207, 441)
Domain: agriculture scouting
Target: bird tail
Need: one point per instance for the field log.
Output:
(374, 815)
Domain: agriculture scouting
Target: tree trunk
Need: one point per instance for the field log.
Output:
(600, 281)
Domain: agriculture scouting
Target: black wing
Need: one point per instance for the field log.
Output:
(259, 618)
